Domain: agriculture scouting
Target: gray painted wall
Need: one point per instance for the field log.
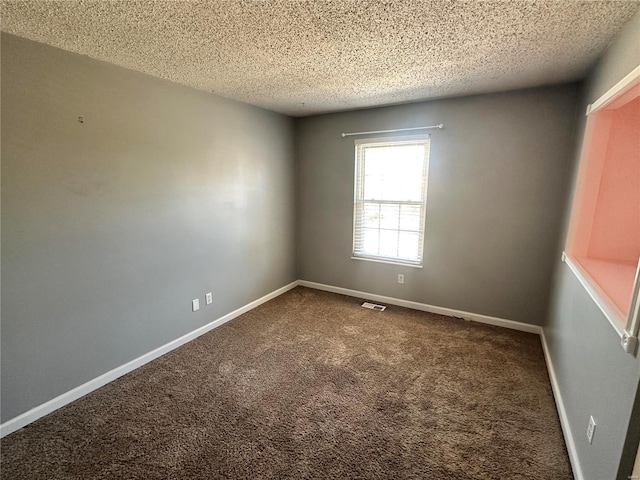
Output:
(111, 227)
(497, 180)
(594, 374)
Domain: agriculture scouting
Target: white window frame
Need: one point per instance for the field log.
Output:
(359, 199)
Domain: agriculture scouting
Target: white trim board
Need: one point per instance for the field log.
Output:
(601, 299)
(610, 94)
(476, 317)
(68, 397)
(562, 412)
(35, 413)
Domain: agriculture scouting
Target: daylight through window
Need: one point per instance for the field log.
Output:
(390, 199)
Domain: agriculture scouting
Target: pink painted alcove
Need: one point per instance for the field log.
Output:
(604, 236)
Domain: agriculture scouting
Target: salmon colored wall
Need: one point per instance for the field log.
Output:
(594, 153)
(616, 224)
(606, 214)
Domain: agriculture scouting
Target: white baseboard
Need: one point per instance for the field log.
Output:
(476, 317)
(35, 413)
(32, 415)
(562, 412)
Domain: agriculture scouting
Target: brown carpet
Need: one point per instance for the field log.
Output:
(311, 385)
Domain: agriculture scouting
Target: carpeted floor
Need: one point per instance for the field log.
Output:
(312, 386)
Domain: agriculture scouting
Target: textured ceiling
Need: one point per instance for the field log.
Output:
(306, 57)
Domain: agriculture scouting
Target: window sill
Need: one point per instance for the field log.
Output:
(606, 304)
(388, 261)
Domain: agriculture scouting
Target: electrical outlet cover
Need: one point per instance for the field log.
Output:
(208, 298)
(195, 304)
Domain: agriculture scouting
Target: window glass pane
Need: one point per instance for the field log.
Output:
(389, 216)
(371, 217)
(410, 217)
(370, 241)
(389, 176)
(394, 172)
(388, 243)
(372, 183)
(408, 245)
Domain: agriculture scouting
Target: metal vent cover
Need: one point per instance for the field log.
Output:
(374, 306)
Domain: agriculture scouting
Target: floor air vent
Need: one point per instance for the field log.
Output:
(374, 306)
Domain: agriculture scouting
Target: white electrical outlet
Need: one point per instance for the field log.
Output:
(591, 429)
(195, 304)
(400, 278)
(208, 298)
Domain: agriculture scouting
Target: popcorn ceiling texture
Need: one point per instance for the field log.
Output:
(307, 57)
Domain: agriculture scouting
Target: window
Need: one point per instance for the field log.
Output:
(390, 199)
(603, 246)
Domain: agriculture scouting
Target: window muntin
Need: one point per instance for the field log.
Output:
(390, 199)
